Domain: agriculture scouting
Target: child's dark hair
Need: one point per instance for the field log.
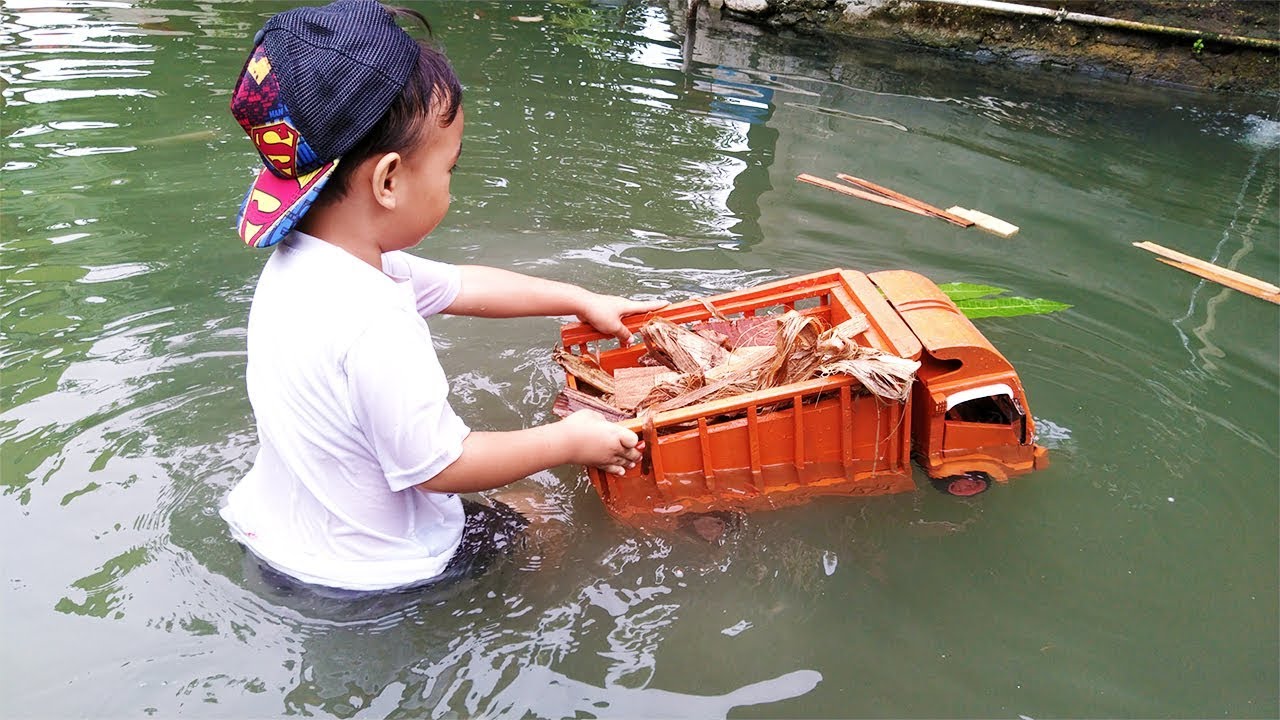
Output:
(432, 90)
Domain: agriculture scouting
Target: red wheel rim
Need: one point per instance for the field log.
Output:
(966, 486)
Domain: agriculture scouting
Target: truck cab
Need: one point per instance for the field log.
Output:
(969, 413)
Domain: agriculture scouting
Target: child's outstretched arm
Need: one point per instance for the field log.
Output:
(494, 293)
(494, 459)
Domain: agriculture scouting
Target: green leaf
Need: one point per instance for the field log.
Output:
(1008, 307)
(975, 301)
(959, 292)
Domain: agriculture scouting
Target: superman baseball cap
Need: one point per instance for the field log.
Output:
(317, 80)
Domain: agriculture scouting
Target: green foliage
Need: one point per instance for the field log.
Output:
(975, 301)
(960, 292)
(1197, 47)
(1009, 307)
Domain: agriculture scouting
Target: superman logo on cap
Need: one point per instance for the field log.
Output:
(278, 143)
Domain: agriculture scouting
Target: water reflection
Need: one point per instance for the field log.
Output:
(490, 656)
(1249, 208)
(494, 647)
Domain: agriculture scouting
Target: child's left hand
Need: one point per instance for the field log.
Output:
(605, 313)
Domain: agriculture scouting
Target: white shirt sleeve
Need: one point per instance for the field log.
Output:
(435, 284)
(400, 398)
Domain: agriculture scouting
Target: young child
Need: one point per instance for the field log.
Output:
(359, 127)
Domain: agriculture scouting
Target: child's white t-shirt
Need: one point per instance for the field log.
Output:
(352, 411)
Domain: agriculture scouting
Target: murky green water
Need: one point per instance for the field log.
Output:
(1137, 576)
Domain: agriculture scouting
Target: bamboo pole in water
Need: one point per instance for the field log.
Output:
(1100, 21)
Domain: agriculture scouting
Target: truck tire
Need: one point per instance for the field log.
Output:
(966, 485)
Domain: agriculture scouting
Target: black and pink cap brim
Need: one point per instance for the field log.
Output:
(291, 177)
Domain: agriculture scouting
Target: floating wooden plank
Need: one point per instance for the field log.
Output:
(881, 190)
(1209, 271)
(991, 224)
(863, 194)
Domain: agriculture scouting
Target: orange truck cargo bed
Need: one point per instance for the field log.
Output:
(828, 436)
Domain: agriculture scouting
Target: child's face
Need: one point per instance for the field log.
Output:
(427, 172)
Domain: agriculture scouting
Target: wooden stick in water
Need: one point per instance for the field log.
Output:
(1209, 271)
(846, 190)
(949, 217)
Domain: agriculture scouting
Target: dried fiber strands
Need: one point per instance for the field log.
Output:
(796, 358)
(746, 362)
(680, 349)
(749, 330)
(839, 340)
(882, 374)
(887, 376)
(666, 388)
(722, 358)
(714, 372)
(701, 392)
(740, 373)
(636, 383)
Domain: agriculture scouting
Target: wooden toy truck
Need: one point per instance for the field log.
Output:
(966, 420)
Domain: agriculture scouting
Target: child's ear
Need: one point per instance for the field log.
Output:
(383, 179)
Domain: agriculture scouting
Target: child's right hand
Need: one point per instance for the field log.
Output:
(596, 442)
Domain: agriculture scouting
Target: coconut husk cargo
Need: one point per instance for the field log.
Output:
(796, 358)
(586, 370)
(751, 330)
(633, 384)
(570, 401)
(681, 349)
(721, 358)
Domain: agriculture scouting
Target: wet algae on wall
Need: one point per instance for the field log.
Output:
(1203, 57)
